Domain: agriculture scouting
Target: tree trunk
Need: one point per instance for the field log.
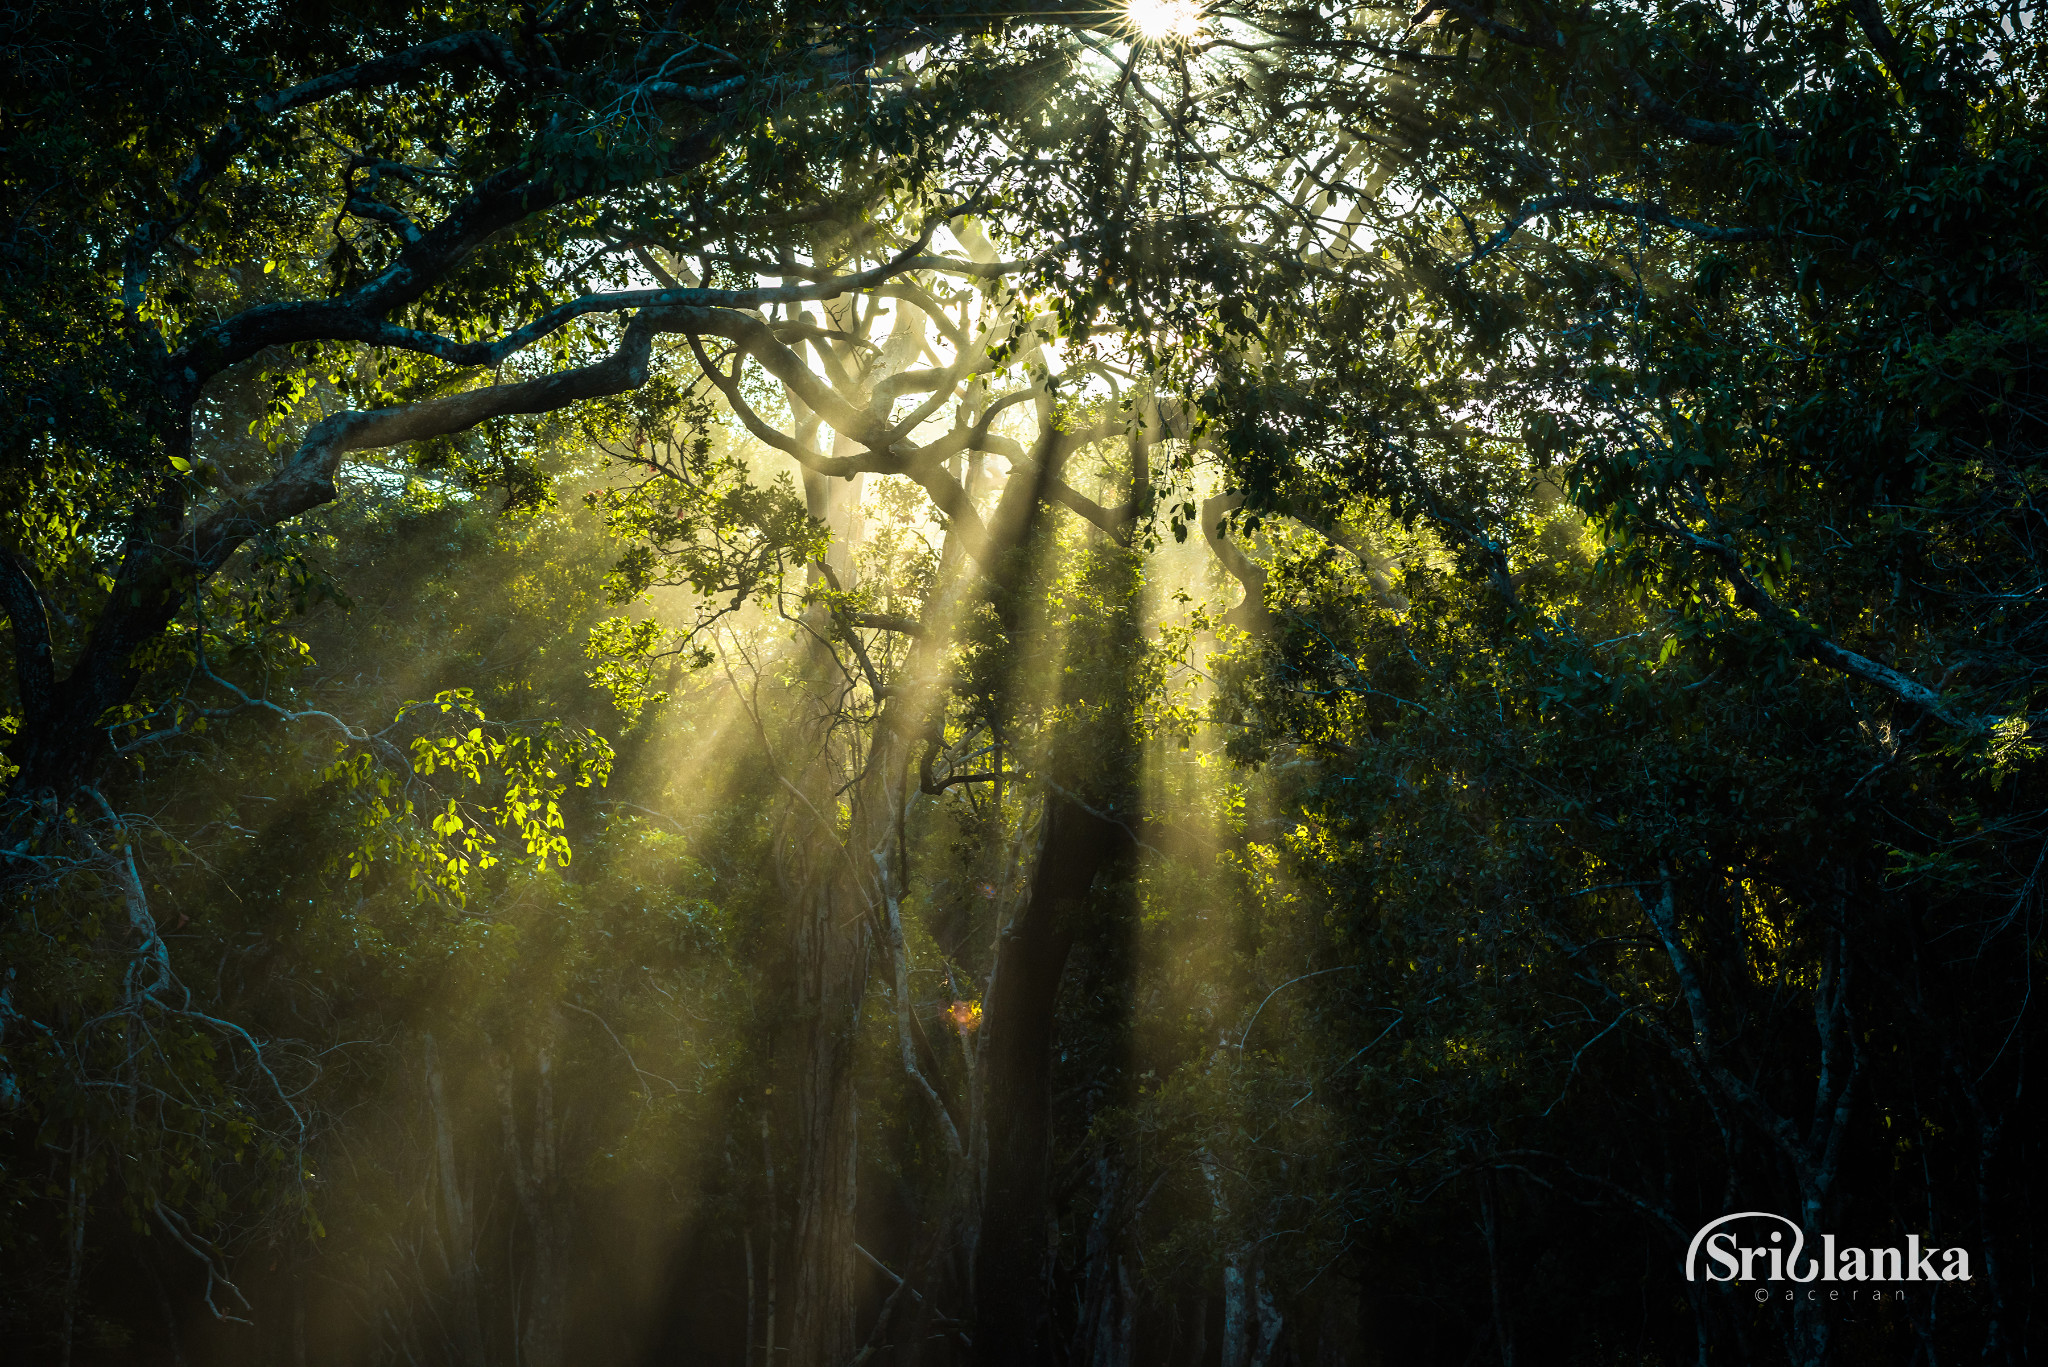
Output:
(1269, 1320)
(1489, 1220)
(1094, 1343)
(838, 882)
(536, 1171)
(456, 1234)
(1237, 1313)
(774, 1225)
(61, 743)
(832, 959)
(831, 939)
(1011, 1271)
(1125, 1348)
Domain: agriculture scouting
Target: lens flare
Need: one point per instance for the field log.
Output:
(1162, 21)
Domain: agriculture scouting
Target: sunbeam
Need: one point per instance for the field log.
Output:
(1136, 685)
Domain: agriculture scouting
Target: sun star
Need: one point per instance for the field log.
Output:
(1159, 21)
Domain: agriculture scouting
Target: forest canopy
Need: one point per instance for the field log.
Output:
(1214, 685)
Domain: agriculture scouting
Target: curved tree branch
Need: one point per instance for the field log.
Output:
(1251, 614)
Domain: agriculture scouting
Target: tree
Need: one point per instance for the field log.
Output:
(1536, 811)
(487, 185)
(471, 199)
(1686, 344)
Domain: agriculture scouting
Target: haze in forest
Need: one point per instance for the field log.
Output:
(1195, 685)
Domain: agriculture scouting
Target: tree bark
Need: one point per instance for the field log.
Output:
(536, 1170)
(774, 1225)
(457, 1236)
(1094, 1342)
(1269, 1319)
(824, 870)
(832, 952)
(1011, 1266)
(1489, 1218)
(1237, 1314)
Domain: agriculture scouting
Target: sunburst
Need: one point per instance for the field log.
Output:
(1163, 21)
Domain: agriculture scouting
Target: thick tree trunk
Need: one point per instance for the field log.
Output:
(1011, 1266)
(835, 882)
(536, 1172)
(1267, 1339)
(1094, 1342)
(61, 744)
(832, 951)
(1237, 1313)
(830, 933)
(1109, 1314)
(1124, 1351)
(456, 1235)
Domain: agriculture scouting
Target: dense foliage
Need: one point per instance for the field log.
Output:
(1225, 684)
